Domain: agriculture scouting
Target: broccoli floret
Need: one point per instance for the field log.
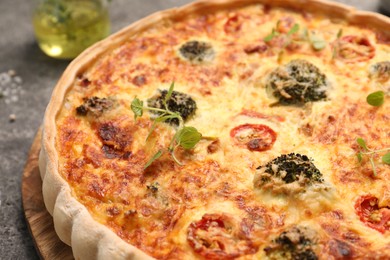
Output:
(292, 167)
(297, 83)
(295, 243)
(288, 174)
(95, 106)
(197, 51)
(380, 71)
(179, 102)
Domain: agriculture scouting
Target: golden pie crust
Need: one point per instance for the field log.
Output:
(90, 239)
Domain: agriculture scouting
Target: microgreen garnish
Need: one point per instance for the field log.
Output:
(365, 151)
(270, 36)
(294, 29)
(339, 33)
(287, 37)
(137, 107)
(155, 157)
(386, 158)
(274, 33)
(376, 99)
(336, 47)
(186, 136)
(169, 94)
(316, 41)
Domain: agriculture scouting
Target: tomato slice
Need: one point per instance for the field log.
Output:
(352, 48)
(218, 236)
(254, 137)
(371, 214)
(233, 24)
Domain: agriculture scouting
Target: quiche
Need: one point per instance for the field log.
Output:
(225, 130)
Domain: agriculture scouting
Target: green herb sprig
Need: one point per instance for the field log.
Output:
(186, 136)
(336, 47)
(288, 37)
(275, 33)
(365, 151)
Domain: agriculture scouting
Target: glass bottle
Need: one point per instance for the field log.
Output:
(64, 28)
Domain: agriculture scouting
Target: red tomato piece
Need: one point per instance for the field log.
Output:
(254, 137)
(218, 236)
(353, 48)
(233, 24)
(371, 214)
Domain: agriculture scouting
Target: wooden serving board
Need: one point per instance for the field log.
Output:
(40, 222)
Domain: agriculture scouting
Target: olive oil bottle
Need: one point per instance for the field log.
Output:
(64, 28)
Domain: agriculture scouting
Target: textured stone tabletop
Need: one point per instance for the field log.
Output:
(28, 87)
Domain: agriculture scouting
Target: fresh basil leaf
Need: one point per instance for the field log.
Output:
(376, 99)
(188, 137)
(294, 29)
(155, 157)
(386, 158)
(362, 143)
(137, 106)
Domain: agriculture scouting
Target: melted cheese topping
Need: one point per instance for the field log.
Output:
(102, 158)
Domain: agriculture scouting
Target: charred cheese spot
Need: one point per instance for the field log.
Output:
(294, 243)
(110, 152)
(290, 173)
(297, 83)
(179, 102)
(83, 81)
(115, 137)
(197, 51)
(139, 80)
(94, 106)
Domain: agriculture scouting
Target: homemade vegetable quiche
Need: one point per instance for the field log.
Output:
(224, 130)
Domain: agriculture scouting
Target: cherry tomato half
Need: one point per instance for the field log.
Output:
(218, 236)
(371, 214)
(352, 48)
(233, 24)
(254, 137)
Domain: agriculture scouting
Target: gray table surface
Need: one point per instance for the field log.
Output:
(39, 73)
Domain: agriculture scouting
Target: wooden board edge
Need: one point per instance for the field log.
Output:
(39, 221)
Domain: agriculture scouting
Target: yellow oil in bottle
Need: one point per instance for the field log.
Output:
(64, 28)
